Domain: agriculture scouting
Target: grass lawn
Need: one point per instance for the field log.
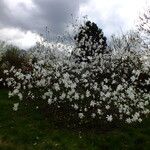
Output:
(24, 130)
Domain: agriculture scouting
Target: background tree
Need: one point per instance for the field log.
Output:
(144, 22)
(90, 42)
(13, 56)
(128, 42)
(144, 29)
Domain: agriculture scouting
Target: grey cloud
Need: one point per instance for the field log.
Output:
(56, 13)
(52, 13)
(9, 18)
(3, 12)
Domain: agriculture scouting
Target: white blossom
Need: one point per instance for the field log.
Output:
(81, 115)
(109, 118)
(15, 108)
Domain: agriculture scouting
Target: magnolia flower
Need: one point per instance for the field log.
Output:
(106, 80)
(73, 85)
(131, 95)
(41, 62)
(99, 111)
(85, 109)
(9, 83)
(71, 92)
(81, 115)
(15, 108)
(57, 74)
(56, 86)
(93, 115)
(139, 120)
(12, 68)
(114, 81)
(107, 107)
(105, 87)
(30, 86)
(75, 106)
(63, 95)
(82, 96)
(49, 101)
(92, 103)
(10, 94)
(28, 76)
(66, 76)
(108, 94)
(76, 96)
(95, 87)
(146, 103)
(43, 96)
(128, 120)
(16, 91)
(88, 93)
(109, 118)
(20, 96)
(5, 71)
(133, 78)
(119, 87)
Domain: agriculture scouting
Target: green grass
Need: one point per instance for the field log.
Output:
(27, 130)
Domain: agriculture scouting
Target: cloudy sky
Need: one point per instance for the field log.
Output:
(22, 21)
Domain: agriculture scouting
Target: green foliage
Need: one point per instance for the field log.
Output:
(28, 130)
(14, 57)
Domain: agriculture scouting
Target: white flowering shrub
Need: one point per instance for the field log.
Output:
(12, 56)
(100, 92)
(81, 93)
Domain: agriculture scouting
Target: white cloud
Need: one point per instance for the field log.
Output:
(113, 15)
(19, 38)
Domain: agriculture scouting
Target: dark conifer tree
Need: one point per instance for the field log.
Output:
(90, 42)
